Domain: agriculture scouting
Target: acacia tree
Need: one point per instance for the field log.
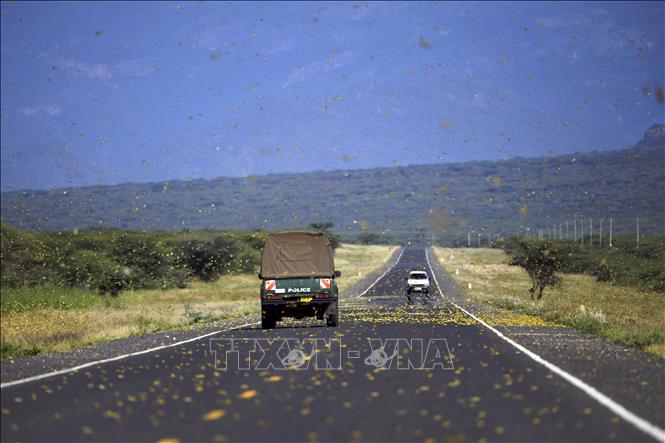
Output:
(324, 227)
(541, 261)
(369, 238)
(321, 226)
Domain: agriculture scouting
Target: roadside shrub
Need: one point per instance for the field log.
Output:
(96, 271)
(146, 256)
(175, 277)
(603, 271)
(374, 238)
(112, 281)
(653, 277)
(624, 263)
(110, 261)
(369, 238)
(208, 259)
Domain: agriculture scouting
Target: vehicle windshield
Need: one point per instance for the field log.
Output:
(418, 275)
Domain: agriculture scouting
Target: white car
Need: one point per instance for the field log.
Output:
(417, 282)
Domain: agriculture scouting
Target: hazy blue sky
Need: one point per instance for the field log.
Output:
(100, 93)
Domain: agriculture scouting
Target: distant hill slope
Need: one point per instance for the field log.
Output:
(446, 200)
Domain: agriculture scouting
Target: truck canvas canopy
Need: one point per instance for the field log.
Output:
(297, 254)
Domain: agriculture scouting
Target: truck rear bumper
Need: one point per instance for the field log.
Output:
(423, 289)
(300, 309)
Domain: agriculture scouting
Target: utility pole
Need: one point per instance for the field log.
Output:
(590, 232)
(575, 229)
(610, 232)
(479, 237)
(582, 231)
(638, 230)
(567, 236)
(600, 233)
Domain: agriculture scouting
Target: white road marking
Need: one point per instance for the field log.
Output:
(571, 336)
(382, 275)
(637, 421)
(119, 357)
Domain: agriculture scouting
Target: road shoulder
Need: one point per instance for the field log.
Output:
(15, 369)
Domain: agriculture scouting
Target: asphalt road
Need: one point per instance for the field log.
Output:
(480, 388)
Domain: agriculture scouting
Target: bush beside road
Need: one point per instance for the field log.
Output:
(623, 314)
(626, 262)
(112, 261)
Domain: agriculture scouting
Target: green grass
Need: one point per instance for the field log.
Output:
(625, 315)
(49, 297)
(44, 318)
(12, 350)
